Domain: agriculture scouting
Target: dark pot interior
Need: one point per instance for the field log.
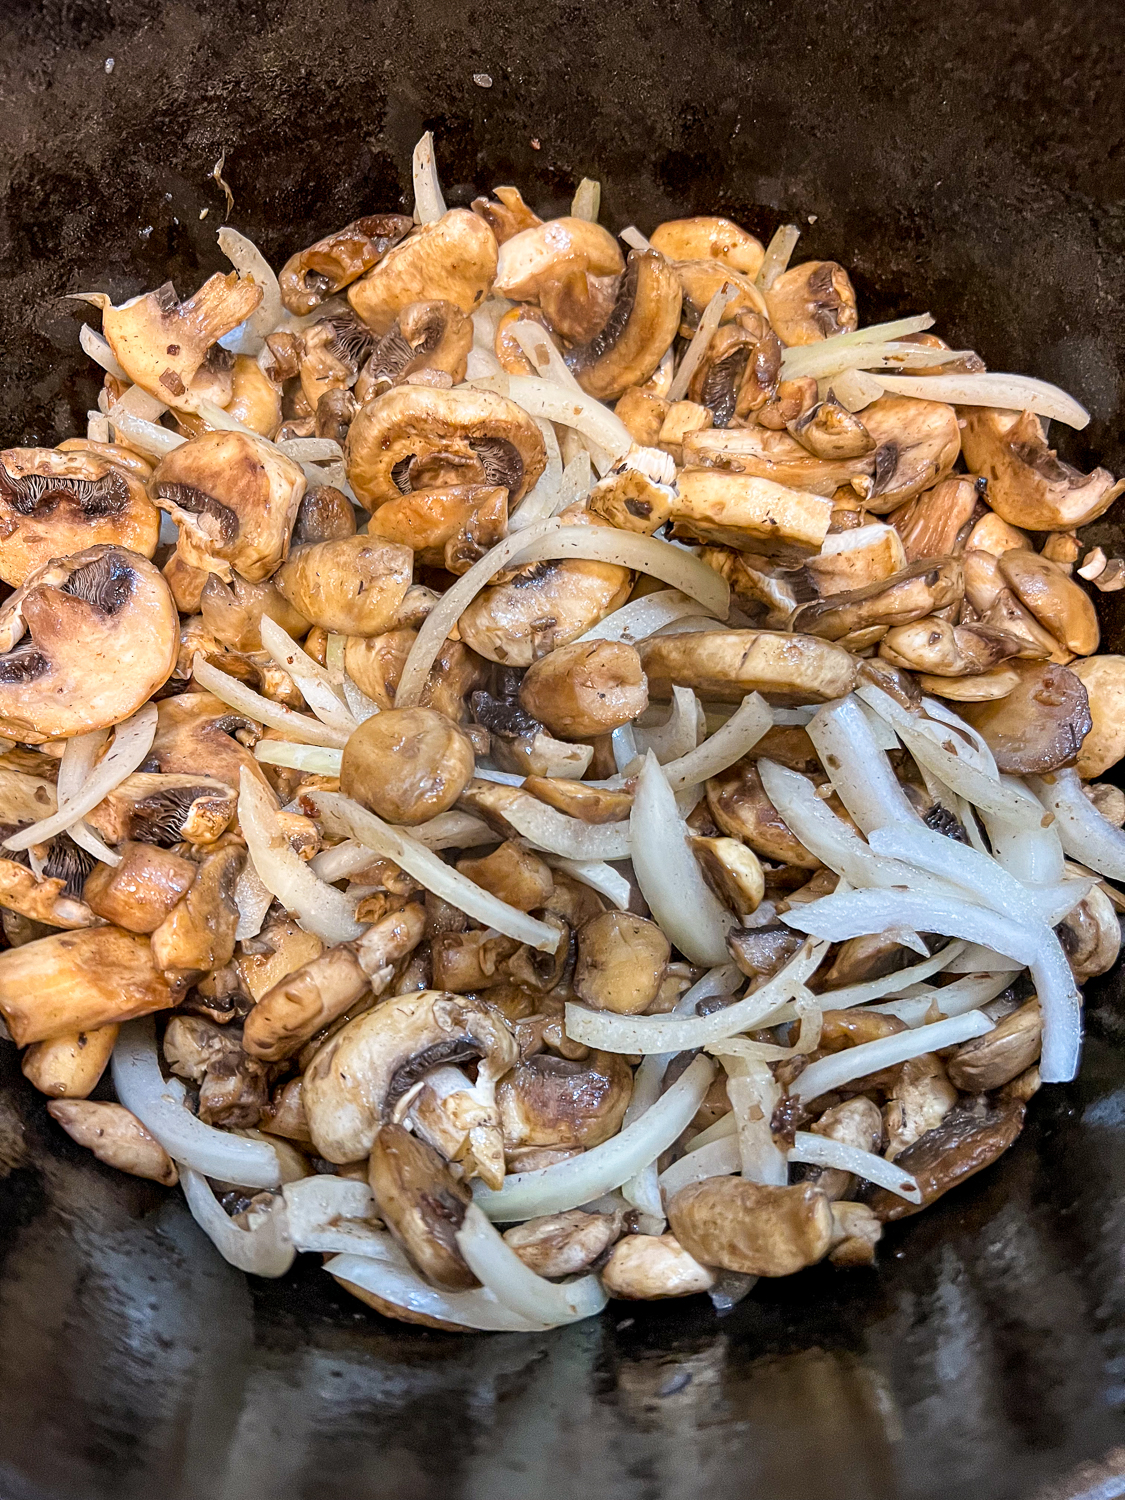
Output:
(968, 160)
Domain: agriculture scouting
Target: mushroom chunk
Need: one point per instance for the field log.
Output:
(1057, 602)
(116, 1137)
(563, 1244)
(351, 586)
(375, 666)
(585, 689)
(1103, 677)
(407, 764)
(235, 499)
(233, 613)
(917, 445)
(728, 664)
(417, 437)
(622, 960)
(631, 500)
(1028, 484)
(750, 513)
(68, 1067)
(553, 1101)
(760, 1231)
(935, 523)
(334, 262)
(701, 279)
(739, 805)
(423, 1204)
(78, 981)
(733, 872)
(324, 515)
(508, 216)
(424, 336)
(569, 267)
(855, 1122)
(142, 890)
(165, 810)
(84, 643)
(515, 874)
(812, 301)
(53, 504)
(161, 342)
(1041, 723)
(921, 589)
(989, 1062)
(642, 325)
(829, 430)
(739, 372)
(709, 238)
(853, 559)
(198, 933)
(195, 738)
(932, 645)
(643, 1267)
(358, 1078)
(1091, 935)
(967, 1140)
(919, 1099)
(450, 260)
(449, 528)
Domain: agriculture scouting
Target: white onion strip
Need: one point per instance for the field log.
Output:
(754, 1094)
(541, 349)
(639, 618)
(319, 908)
(158, 1104)
(829, 1073)
(265, 1250)
(644, 554)
(587, 200)
(343, 816)
(634, 238)
(318, 760)
(781, 246)
(1086, 835)
(497, 1266)
(98, 348)
(549, 399)
(812, 359)
(890, 984)
(148, 437)
(311, 678)
(599, 876)
(264, 710)
(558, 833)
(822, 1151)
(429, 205)
(249, 262)
(739, 734)
(568, 1184)
(697, 349)
(951, 999)
(1012, 392)
(679, 734)
(720, 1157)
(861, 913)
(395, 1283)
(858, 766)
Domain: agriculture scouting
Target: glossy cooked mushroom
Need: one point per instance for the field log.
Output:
(1103, 677)
(407, 764)
(812, 301)
(1028, 484)
(556, 1101)
(570, 267)
(452, 259)
(351, 586)
(631, 343)
(1040, 725)
(585, 689)
(707, 237)
(728, 664)
(622, 961)
(334, 262)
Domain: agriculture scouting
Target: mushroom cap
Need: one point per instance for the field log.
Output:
(451, 527)
(56, 503)
(585, 689)
(1028, 484)
(1040, 725)
(407, 764)
(235, 498)
(727, 664)
(918, 443)
(350, 586)
(1103, 677)
(543, 606)
(750, 513)
(639, 330)
(452, 259)
(920, 589)
(433, 335)
(481, 438)
(552, 250)
(555, 1101)
(195, 737)
(1060, 604)
(84, 643)
(707, 237)
(335, 261)
(812, 301)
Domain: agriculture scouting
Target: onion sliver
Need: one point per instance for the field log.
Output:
(132, 741)
(497, 1266)
(543, 353)
(264, 710)
(890, 984)
(1011, 392)
(976, 873)
(587, 200)
(98, 348)
(701, 338)
(829, 1073)
(679, 734)
(429, 205)
(343, 816)
(265, 1250)
(725, 1126)
(158, 1104)
(1086, 835)
(568, 1184)
(398, 1285)
(540, 502)
(554, 402)
(858, 766)
(453, 830)
(634, 238)
(599, 876)
(740, 733)
(314, 682)
(248, 260)
(319, 908)
(781, 246)
(754, 1094)
(332, 1215)
(318, 760)
(615, 1033)
(668, 874)
(719, 1158)
(644, 554)
(638, 619)
(810, 359)
(951, 1000)
(823, 1151)
(861, 913)
(558, 833)
(148, 437)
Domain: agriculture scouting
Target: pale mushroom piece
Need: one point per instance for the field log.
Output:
(564, 1244)
(643, 414)
(854, 1122)
(196, 739)
(733, 872)
(233, 612)
(622, 961)
(739, 371)
(747, 512)
(699, 281)
(918, 1100)
(738, 803)
(84, 643)
(643, 1267)
(812, 301)
(513, 873)
(934, 523)
(920, 589)
(255, 401)
(993, 534)
(124, 458)
(451, 527)
(727, 664)
(918, 444)
(997, 682)
(1040, 725)
(988, 1062)
(547, 1100)
(431, 336)
(632, 501)
(407, 764)
(967, 1140)
(78, 981)
(166, 809)
(422, 1203)
(709, 237)
(42, 899)
(54, 503)
(508, 216)
(351, 586)
(681, 420)
(1103, 677)
(331, 353)
(1091, 934)
(140, 892)
(452, 259)
(932, 645)
(1028, 484)
(571, 267)
(641, 326)
(69, 1067)
(281, 948)
(742, 1226)
(1059, 604)
(199, 932)
(829, 431)
(854, 559)
(774, 455)
(375, 666)
(116, 1137)
(186, 582)
(314, 274)
(585, 689)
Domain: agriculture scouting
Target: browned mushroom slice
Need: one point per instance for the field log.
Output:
(646, 1267)
(515, 874)
(632, 501)
(830, 431)
(918, 443)
(452, 527)
(774, 455)
(992, 534)
(77, 981)
(331, 353)
(699, 281)
(921, 589)
(642, 325)
(741, 1226)
(553, 1101)
(591, 804)
(739, 372)
(334, 262)
(854, 559)
(1103, 677)
(451, 260)
(585, 689)
(570, 267)
(198, 933)
(967, 1140)
(422, 1203)
(934, 523)
(739, 805)
(988, 1062)
(755, 515)
(812, 301)
(1057, 602)
(998, 682)
(195, 739)
(1041, 723)
(54, 503)
(116, 1137)
(1028, 484)
(425, 335)
(728, 664)
(84, 643)
(564, 1244)
(142, 890)
(622, 960)
(508, 216)
(351, 586)
(709, 238)
(418, 438)
(1091, 935)
(934, 646)
(166, 810)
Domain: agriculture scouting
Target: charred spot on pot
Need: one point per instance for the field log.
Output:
(186, 497)
(452, 1053)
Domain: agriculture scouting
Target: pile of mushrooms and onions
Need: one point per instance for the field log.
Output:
(543, 766)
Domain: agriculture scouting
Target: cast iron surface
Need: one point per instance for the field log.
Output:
(966, 158)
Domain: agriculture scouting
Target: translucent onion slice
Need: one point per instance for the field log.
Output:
(394, 1282)
(951, 1000)
(316, 759)
(558, 833)
(679, 734)
(642, 1191)
(99, 350)
(858, 766)
(543, 353)
(829, 1073)
(265, 1250)
(132, 741)
(634, 238)
(253, 901)
(333, 1215)
(453, 830)
(319, 908)
(343, 816)
(541, 502)
(697, 349)
(832, 363)
(644, 554)
(978, 959)
(429, 205)
(248, 261)
(1086, 835)
(310, 449)
(555, 402)
(823, 1151)
(314, 682)
(740, 733)
(599, 876)
(719, 1158)
(136, 402)
(148, 437)
(264, 710)
(861, 913)
(342, 860)
(640, 618)
(497, 1266)
(805, 359)
(754, 1094)
(587, 200)
(1013, 392)
(890, 984)
(158, 1104)
(778, 252)
(724, 1127)
(668, 874)
(569, 1184)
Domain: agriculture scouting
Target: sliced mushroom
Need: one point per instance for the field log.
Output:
(324, 515)
(351, 586)
(507, 217)
(855, 1122)
(233, 613)
(1103, 677)
(1057, 602)
(643, 413)
(632, 501)
(1028, 484)
(195, 738)
(812, 301)
(760, 1231)
(142, 890)
(414, 437)
(739, 371)
(357, 1079)
(753, 514)
(134, 464)
(699, 281)
(54, 503)
(375, 666)
(423, 1204)
(198, 934)
(116, 1137)
(704, 237)
(764, 454)
(935, 646)
(733, 872)
(682, 419)
(789, 402)
(760, 952)
(739, 805)
(1040, 725)
(856, 559)
(78, 981)
(934, 523)
(585, 689)
(918, 443)
(988, 1062)
(45, 898)
(334, 262)
(967, 1140)
(830, 431)
(84, 643)
(919, 1099)
(622, 960)
(643, 1267)
(918, 590)
(281, 948)
(855, 1233)
(69, 1067)
(589, 803)
(570, 267)
(727, 664)
(991, 534)
(407, 764)
(553, 1101)
(452, 259)
(628, 347)
(165, 810)
(449, 528)
(1091, 935)
(331, 353)
(515, 874)
(424, 336)
(255, 401)
(563, 1244)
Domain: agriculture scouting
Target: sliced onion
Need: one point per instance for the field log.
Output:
(739, 734)
(248, 261)
(252, 900)
(316, 759)
(158, 1104)
(360, 706)
(568, 1184)
(670, 879)
(855, 390)
(724, 1127)
(393, 1281)
(778, 252)
(624, 746)
(858, 766)
(99, 350)
(310, 449)
(793, 360)
(587, 200)
(1086, 835)
(718, 1158)
(1011, 392)
(554, 401)
(429, 205)
(576, 482)
(539, 347)
(634, 238)
(951, 1000)
(453, 830)
(701, 339)
(975, 873)
(319, 908)
(754, 1094)
(831, 1072)
(264, 710)
(643, 1191)
(136, 402)
(890, 984)
(599, 876)
(311, 678)
(340, 861)
(132, 741)
(640, 618)
(333, 1215)
(558, 833)
(541, 501)
(265, 1250)
(644, 554)
(979, 959)
(497, 1266)
(822, 1151)
(679, 734)
(148, 437)
(828, 364)
(861, 913)
(343, 816)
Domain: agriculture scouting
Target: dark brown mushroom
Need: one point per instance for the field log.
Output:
(1040, 725)
(334, 262)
